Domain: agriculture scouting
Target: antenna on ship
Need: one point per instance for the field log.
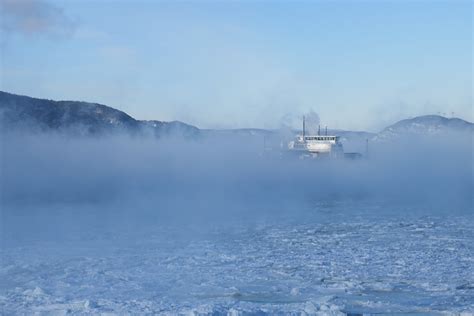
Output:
(326, 130)
(319, 130)
(303, 126)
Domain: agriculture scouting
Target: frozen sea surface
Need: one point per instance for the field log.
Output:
(337, 259)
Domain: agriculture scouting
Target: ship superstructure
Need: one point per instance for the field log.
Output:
(316, 146)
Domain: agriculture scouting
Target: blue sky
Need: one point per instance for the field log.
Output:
(359, 65)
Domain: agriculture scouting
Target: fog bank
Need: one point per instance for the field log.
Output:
(219, 177)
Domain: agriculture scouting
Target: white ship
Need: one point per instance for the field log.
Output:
(316, 146)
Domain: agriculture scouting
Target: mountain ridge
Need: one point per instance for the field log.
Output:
(20, 112)
(424, 125)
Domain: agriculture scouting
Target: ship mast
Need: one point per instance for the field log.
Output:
(303, 128)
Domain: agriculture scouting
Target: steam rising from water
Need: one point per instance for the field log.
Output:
(136, 226)
(221, 177)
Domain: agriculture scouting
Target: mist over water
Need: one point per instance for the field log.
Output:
(143, 202)
(127, 183)
(224, 175)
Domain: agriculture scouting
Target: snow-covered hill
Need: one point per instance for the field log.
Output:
(427, 125)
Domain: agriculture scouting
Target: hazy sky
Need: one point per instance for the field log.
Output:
(359, 65)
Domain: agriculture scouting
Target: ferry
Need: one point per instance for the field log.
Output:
(316, 146)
